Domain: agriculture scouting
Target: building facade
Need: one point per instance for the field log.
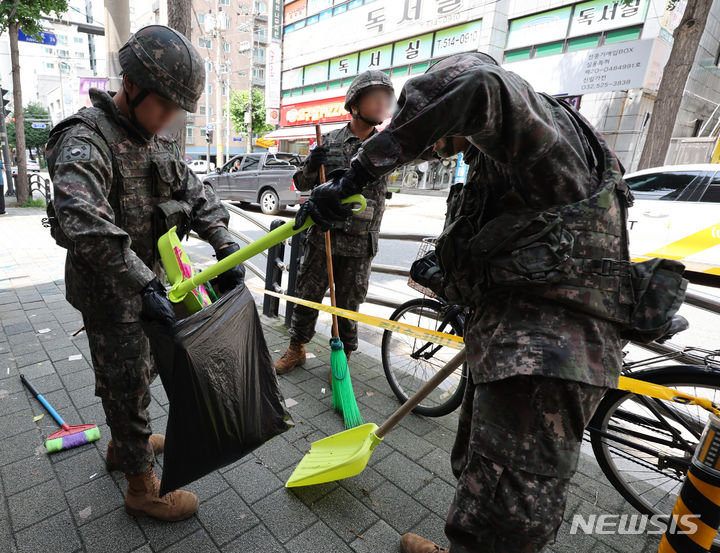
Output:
(57, 71)
(223, 32)
(604, 56)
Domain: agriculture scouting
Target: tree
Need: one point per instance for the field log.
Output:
(34, 138)
(179, 19)
(14, 16)
(238, 108)
(687, 37)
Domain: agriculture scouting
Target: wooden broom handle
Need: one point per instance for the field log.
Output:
(421, 394)
(328, 246)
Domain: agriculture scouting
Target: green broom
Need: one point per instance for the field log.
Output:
(342, 390)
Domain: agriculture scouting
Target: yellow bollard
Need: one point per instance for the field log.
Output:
(696, 515)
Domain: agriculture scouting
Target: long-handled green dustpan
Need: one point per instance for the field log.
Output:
(347, 453)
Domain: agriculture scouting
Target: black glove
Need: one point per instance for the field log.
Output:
(426, 272)
(232, 277)
(317, 157)
(155, 305)
(324, 203)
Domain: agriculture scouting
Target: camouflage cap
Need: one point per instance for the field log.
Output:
(364, 81)
(162, 60)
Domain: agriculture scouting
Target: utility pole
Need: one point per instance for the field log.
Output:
(250, 80)
(218, 84)
(207, 110)
(7, 162)
(227, 111)
(62, 89)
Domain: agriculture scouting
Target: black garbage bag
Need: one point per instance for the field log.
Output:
(222, 389)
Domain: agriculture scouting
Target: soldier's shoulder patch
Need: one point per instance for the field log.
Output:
(76, 152)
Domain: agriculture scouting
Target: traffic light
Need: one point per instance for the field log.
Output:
(209, 137)
(5, 101)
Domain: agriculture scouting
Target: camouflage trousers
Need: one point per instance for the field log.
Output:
(124, 369)
(352, 276)
(517, 446)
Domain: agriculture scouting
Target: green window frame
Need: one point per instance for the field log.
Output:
(400, 70)
(549, 49)
(583, 42)
(419, 68)
(334, 84)
(517, 55)
(621, 35)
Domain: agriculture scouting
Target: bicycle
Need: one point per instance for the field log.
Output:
(643, 445)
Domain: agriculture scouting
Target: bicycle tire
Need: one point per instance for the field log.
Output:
(455, 399)
(674, 375)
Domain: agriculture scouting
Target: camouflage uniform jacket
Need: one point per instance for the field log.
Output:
(528, 155)
(108, 177)
(359, 236)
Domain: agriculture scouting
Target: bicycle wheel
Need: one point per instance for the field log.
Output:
(644, 445)
(409, 362)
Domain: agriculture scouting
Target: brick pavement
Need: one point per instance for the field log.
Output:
(68, 502)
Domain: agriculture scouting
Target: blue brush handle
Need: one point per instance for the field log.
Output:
(42, 400)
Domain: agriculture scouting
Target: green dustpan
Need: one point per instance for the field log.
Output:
(347, 453)
(188, 286)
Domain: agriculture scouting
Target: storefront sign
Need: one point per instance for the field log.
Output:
(318, 111)
(376, 58)
(316, 73)
(273, 55)
(292, 78)
(45, 38)
(316, 6)
(344, 66)
(276, 19)
(602, 15)
(412, 50)
(295, 11)
(552, 25)
(462, 38)
(613, 67)
(86, 83)
(272, 116)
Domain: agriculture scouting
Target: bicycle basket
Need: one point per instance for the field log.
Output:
(426, 246)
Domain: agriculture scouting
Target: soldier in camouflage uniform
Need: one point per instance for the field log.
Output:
(354, 242)
(118, 186)
(536, 245)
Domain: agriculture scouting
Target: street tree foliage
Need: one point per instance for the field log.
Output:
(34, 138)
(25, 15)
(238, 108)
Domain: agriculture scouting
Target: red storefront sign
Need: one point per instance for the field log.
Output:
(329, 110)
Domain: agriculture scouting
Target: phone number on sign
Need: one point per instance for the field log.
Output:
(606, 84)
(464, 38)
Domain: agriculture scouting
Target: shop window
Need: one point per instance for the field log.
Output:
(285, 93)
(319, 87)
(335, 84)
(399, 71)
(297, 92)
(517, 55)
(346, 82)
(583, 42)
(621, 35)
(308, 89)
(340, 9)
(549, 49)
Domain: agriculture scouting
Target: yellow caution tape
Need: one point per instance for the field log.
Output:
(628, 384)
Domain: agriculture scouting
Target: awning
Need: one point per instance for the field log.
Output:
(302, 131)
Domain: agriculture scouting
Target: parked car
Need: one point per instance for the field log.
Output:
(260, 178)
(200, 166)
(675, 215)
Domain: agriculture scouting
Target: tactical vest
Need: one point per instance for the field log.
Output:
(575, 254)
(145, 175)
(358, 236)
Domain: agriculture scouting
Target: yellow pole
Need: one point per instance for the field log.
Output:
(716, 152)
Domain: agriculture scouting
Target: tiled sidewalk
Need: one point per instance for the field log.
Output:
(68, 502)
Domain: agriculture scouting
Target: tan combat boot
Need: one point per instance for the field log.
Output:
(142, 499)
(157, 441)
(412, 543)
(294, 356)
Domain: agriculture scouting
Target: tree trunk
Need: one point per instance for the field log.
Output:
(667, 104)
(21, 188)
(179, 19)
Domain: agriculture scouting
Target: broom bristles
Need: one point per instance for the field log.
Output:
(343, 395)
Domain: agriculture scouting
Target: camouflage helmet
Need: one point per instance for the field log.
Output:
(364, 81)
(161, 60)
